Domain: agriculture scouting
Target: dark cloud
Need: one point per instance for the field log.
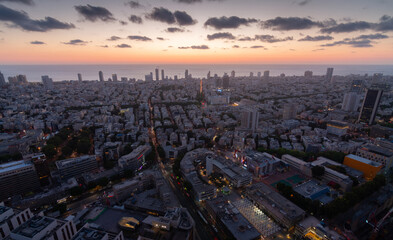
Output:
(228, 22)
(76, 42)
(201, 47)
(183, 19)
(37, 43)
(348, 27)
(133, 4)
(123, 23)
(123, 46)
(271, 38)
(265, 38)
(113, 38)
(139, 38)
(258, 46)
(318, 49)
(161, 38)
(304, 2)
(235, 46)
(22, 20)
(93, 13)
(385, 24)
(220, 35)
(246, 39)
(362, 43)
(174, 30)
(308, 38)
(376, 36)
(290, 23)
(27, 2)
(135, 19)
(104, 46)
(162, 15)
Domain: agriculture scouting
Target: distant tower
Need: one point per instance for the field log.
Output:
(233, 74)
(225, 81)
(251, 74)
(186, 74)
(266, 74)
(250, 120)
(79, 77)
(162, 74)
(47, 82)
(208, 75)
(259, 74)
(101, 76)
(329, 74)
(357, 86)
(370, 106)
(350, 102)
(114, 77)
(201, 86)
(308, 74)
(175, 78)
(157, 74)
(2, 79)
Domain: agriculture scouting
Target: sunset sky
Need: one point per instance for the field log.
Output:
(196, 31)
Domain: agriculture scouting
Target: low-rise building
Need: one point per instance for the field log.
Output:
(135, 159)
(11, 219)
(39, 227)
(277, 206)
(89, 233)
(74, 167)
(377, 154)
(18, 177)
(369, 168)
(259, 163)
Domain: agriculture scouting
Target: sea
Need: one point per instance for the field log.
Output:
(138, 71)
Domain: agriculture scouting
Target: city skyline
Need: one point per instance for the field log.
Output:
(196, 31)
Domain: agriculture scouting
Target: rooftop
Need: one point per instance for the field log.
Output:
(378, 150)
(71, 161)
(89, 234)
(364, 160)
(34, 226)
(6, 167)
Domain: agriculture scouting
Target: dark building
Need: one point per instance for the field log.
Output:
(225, 81)
(18, 177)
(329, 74)
(370, 106)
(357, 86)
(101, 76)
(42, 168)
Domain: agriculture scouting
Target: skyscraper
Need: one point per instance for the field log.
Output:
(233, 74)
(2, 79)
(79, 77)
(157, 74)
(308, 74)
(350, 102)
(208, 75)
(250, 120)
(329, 74)
(357, 86)
(47, 81)
(114, 77)
(370, 106)
(186, 74)
(162, 74)
(266, 74)
(225, 81)
(101, 76)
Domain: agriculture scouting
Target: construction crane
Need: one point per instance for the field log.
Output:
(377, 227)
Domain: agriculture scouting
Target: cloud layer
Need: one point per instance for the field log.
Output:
(93, 13)
(228, 22)
(22, 20)
(166, 16)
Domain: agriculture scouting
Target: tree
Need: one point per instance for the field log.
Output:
(49, 150)
(83, 146)
(66, 151)
(317, 171)
(76, 191)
